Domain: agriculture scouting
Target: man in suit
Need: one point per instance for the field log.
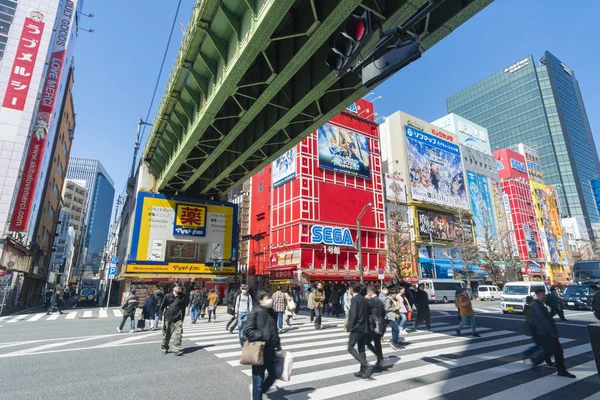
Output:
(358, 325)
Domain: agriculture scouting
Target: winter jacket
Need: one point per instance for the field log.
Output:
(243, 303)
(173, 307)
(279, 301)
(213, 299)
(196, 299)
(422, 303)
(261, 326)
(376, 316)
(149, 310)
(391, 311)
(529, 320)
(358, 318)
(159, 296)
(311, 301)
(403, 304)
(130, 304)
(544, 323)
(335, 297)
(464, 305)
(318, 298)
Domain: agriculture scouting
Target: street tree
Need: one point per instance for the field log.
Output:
(398, 253)
(510, 259)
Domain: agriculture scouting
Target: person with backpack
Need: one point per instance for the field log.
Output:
(242, 308)
(377, 326)
(196, 302)
(129, 307)
(173, 311)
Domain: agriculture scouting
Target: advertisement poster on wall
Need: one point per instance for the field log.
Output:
(284, 168)
(436, 174)
(547, 225)
(395, 189)
(530, 241)
(481, 205)
(448, 263)
(344, 151)
(440, 226)
(532, 160)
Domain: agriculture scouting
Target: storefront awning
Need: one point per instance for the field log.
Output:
(342, 275)
(176, 278)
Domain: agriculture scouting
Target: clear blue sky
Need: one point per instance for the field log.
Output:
(116, 66)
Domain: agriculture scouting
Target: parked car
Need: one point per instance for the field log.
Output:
(514, 295)
(488, 292)
(578, 297)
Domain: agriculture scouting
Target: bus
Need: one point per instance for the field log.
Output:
(586, 270)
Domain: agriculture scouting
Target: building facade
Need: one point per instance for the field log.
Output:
(540, 105)
(100, 198)
(300, 234)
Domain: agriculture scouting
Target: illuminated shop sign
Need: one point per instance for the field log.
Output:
(331, 236)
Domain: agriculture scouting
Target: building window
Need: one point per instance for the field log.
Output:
(65, 149)
(55, 189)
(46, 235)
(60, 169)
(260, 187)
(51, 212)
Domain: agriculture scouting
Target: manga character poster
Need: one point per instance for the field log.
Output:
(344, 151)
(284, 168)
(481, 206)
(435, 169)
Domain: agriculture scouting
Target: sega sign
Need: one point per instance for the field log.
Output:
(331, 236)
(518, 165)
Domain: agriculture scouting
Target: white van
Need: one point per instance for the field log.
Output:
(442, 290)
(488, 292)
(514, 294)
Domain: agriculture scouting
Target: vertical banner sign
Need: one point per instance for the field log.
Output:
(23, 67)
(37, 141)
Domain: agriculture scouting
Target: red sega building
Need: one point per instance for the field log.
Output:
(520, 209)
(304, 206)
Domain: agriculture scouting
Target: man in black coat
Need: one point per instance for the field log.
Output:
(422, 303)
(548, 335)
(358, 325)
(377, 326)
(173, 310)
(334, 299)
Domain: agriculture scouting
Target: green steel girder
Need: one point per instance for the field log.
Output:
(258, 84)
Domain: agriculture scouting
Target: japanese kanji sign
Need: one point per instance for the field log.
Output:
(190, 220)
(24, 64)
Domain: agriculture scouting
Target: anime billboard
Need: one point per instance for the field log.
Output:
(440, 226)
(481, 206)
(344, 151)
(284, 168)
(436, 174)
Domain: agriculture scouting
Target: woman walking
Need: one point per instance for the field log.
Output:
(403, 309)
(290, 306)
(213, 300)
(391, 312)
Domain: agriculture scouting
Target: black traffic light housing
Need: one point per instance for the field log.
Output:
(350, 42)
(390, 62)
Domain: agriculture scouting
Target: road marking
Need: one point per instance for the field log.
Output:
(595, 396)
(444, 312)
(17, 318)
(103, 313)
(550, 383)
(517, 319)
(117, 313)
(36, 317)
(87, 314)
(51, 345)
(17, 354)
(126, 340)
(71, 315)
(52, 317)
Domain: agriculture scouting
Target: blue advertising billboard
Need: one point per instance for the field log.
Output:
(344, 151)
(481, 206)
(284, 168)
(436, 174)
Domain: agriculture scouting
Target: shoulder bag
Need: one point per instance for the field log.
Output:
(253, 353)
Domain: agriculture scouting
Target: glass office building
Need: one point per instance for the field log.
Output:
(540, 105)
(100, 197)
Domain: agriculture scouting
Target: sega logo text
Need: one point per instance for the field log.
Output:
(330, 235)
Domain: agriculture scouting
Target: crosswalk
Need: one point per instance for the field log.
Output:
(66, 315)
(436, 364)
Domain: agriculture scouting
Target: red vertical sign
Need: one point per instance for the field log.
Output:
(24, 64)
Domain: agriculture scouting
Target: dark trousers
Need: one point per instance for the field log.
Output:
(358, 339)
(374, 344)
(427, 322)
(559, 311)
(551, 346)
(259, 384)
(231, 324)
(312, 314)
(536, 350)
(337, 310)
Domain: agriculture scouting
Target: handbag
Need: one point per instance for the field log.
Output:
(141, 324)
(253, 353)
(284, 365)
(211, 308)
(409, 315)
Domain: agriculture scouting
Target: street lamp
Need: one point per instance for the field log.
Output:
(90, 15)
(86, 30)
(358, 241)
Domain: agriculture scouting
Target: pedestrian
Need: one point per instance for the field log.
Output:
(347, 300)
(213, 300)
(318, 304)
(243, 307)
(376, 326)
(57, 302)
(595, 291)
(335, 299)
(48, 299)
(297, 298)
(290, 307)
(456, 294)
(279, 302)
(404, 309)
(261, 326)
(358, 325)
(467, 316)
(195, 302)
(548, 335)
(422, 304)
(232, 295)
(204, 303)
(129, 307)
(149, 310)
(391, 314)
(310, 304)
(173, 312)
(555, 303)
(159, 297)
(530, 330)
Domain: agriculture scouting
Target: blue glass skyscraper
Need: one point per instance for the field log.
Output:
(541, 106)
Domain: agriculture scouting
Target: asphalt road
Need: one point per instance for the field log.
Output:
(84, 357)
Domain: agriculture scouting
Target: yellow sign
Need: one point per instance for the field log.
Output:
(192, 218)
(177, 268)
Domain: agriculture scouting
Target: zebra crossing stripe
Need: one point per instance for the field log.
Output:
(52, 317)
(36, 317)
(17, 318)
(550, 383)
(87, 314)
(71, 315)
(103, 314)
(117, 313)
(486, 375)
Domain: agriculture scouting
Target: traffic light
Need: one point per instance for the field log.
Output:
(349, 43)
(391, 62)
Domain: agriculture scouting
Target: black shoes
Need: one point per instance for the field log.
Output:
(566, 374)
(457, 332)
(476, 334)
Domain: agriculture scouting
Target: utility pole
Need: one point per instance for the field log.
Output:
(136, 147)
(359, 242)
